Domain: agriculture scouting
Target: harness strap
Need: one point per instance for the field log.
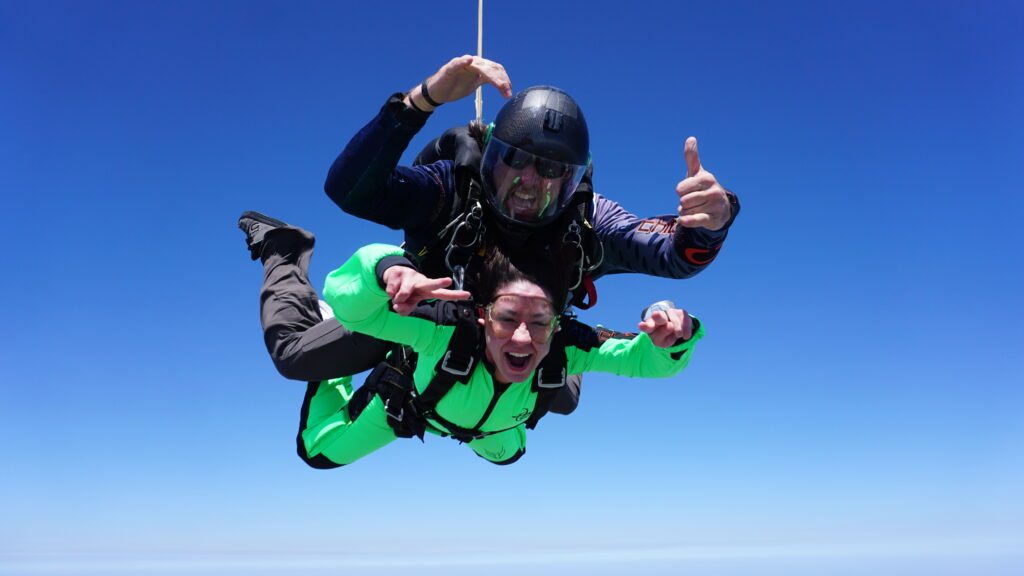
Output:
(465, 435)
(407, 411)
(392, 381)
(589, 290)
(462, 238)
(549, 379)
(457, 363)
(465, 239)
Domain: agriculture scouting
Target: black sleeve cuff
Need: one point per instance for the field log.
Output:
(388, 262)
(404, 114)
(679, 354)
(734, 203)
(709, 241)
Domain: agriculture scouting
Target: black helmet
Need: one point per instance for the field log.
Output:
(537, 151)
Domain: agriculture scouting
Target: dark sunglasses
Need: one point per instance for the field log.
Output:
(520, 159)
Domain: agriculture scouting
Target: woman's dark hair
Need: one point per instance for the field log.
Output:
(478, 131)
(504, 265)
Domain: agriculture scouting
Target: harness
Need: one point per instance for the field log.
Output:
(464, 237)
(410, 413)
(456, 245)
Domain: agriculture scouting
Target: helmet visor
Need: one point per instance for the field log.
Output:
(526, 188)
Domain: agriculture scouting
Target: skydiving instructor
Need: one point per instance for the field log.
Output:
(530, 185)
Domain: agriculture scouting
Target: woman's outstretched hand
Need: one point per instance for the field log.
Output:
(407, 288)
(667, 326)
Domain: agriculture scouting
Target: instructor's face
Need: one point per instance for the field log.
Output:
(518, 324)
(524, 192)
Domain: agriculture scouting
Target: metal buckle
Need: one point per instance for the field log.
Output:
(471, 226)
(458, 277)
(556, 384)
(573, 238)
(455, 371)
(387, 410)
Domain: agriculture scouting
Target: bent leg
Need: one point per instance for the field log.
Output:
(301, 344)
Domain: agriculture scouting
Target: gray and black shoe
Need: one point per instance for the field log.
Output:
(256, 226)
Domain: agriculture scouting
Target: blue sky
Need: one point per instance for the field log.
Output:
(856, 406)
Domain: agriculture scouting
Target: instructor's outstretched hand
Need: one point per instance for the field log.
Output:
(459, 78)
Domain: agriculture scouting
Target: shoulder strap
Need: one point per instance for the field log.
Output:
(458, 361)
(407, 411)
(454, 367)
(457, 144)
(549, 378)
(456, 243)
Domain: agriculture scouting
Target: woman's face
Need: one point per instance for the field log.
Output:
(518, 326)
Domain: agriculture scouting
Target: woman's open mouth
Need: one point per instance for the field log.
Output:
(517, 361)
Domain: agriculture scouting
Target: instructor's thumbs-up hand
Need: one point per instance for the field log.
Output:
(703, 203)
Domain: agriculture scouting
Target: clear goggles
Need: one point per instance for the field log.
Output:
(508, 313)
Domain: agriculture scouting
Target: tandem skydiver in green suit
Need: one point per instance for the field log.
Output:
(486, 370)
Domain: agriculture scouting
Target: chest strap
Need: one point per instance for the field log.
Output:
(549, 378)
(408, 411)
(458, 361)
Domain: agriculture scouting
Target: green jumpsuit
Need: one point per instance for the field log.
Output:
(356, 295)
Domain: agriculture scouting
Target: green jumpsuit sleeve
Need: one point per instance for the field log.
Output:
(637, 356)
(361, 304)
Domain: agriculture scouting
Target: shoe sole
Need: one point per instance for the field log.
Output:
(261, 218)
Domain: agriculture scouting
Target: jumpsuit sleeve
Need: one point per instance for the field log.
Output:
(601, 350)
(656, 246)
(366, 181)
(358, 301)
